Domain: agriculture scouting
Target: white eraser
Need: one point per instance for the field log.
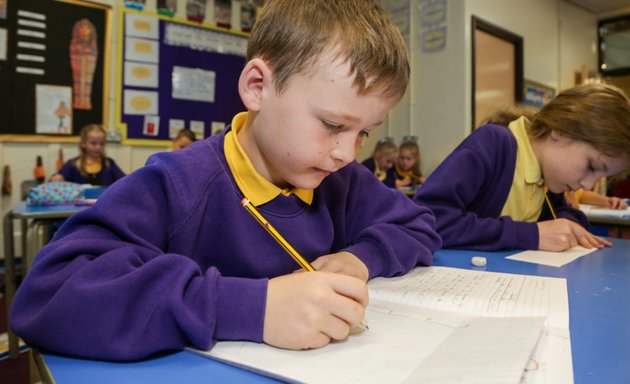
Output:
(478, 261)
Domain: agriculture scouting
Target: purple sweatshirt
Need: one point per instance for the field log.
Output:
(390, 174)
(168, 257)
(109, 173)
(468, 190)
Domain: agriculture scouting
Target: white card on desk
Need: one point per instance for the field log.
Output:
(552, 259)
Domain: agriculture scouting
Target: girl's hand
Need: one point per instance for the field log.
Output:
(617, 203)
(562, 234)
(309, 310)
(403, 182)
(342, 262)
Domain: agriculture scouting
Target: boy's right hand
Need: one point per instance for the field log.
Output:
(562, 234)
(309, 310)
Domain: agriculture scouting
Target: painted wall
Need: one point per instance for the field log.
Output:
(20, 156)
(559, 38)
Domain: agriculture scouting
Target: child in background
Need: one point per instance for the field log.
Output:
(575, 198)
(168, 257)
(382, 162)
(184, 138)
(92, 166)
(408, 164)
(489, 194)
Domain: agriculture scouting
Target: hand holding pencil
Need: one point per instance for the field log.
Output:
(561, 234)
(309, 310)
(342, 262)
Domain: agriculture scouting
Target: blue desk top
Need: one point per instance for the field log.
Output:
(180, 367)
(599, 306)
(21, 210)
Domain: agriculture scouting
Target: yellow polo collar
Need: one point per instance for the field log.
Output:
(254, 186)
(530, 167)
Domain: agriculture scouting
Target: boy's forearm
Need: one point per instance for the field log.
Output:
(113, 307)
(400, 236)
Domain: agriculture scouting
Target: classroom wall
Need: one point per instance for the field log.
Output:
(20, 155)
(558, 39)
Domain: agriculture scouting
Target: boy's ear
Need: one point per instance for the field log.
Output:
(254, 78)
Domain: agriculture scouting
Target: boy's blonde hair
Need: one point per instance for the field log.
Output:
(597, 114)
(291, 35)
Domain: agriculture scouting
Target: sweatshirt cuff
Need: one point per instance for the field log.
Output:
(527, 236)
(371, 255)
(240, 309)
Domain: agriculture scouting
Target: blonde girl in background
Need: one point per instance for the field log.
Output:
(383, 160)
(92, 166)
(408, 164)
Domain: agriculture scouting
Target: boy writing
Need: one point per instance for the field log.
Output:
(168, 257)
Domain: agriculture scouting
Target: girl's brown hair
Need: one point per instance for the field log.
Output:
(187, 133)
(597, 114)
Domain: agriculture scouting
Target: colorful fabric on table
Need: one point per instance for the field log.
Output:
(55, 193)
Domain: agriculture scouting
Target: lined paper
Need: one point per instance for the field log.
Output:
(404, 344)
(491, 324)
(478, 293)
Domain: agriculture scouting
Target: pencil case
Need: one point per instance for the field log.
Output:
(55, 193)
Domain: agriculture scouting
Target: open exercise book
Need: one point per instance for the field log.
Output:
(436, 325)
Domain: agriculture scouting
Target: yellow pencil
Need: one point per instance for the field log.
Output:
(247, 204)
(553, 213)
(276, 235)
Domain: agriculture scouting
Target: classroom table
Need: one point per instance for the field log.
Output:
(32, 218)
(599, 305)
(410, 190)
(617, 222)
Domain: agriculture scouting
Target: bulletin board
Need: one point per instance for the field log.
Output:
(175, 74)
(537, 95)
(53, 57)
